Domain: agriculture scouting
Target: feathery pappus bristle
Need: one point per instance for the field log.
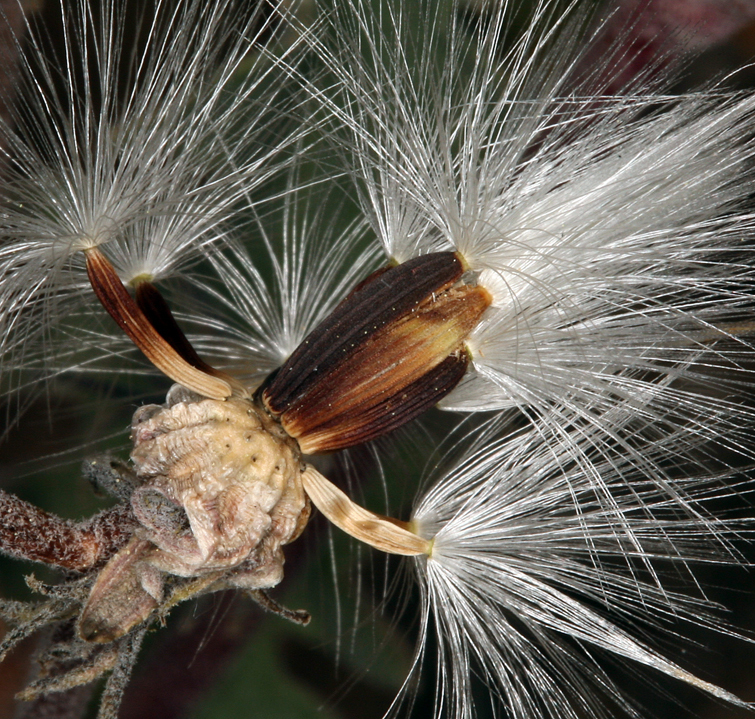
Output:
(144, 152)
(282, 272)
(613, 232)
(531, 572)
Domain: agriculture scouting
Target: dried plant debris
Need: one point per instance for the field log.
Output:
(164, 543)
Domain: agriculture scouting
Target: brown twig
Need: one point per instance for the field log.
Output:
(27, 532)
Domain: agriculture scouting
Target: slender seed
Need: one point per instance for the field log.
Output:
(384, 533)
(130, 318)
(156, 309)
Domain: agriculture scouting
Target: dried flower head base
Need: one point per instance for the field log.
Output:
(218, 482)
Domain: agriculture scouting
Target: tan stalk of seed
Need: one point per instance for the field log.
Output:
(123, 309)
(157, 312)
(384, 533)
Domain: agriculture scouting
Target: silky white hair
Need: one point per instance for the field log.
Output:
(614, 233)
(148, 151)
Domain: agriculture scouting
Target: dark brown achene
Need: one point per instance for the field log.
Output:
(390, 351)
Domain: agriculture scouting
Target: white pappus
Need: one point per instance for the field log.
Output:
(147, 149)
(614, 234)
(533, 569)
(611, 231)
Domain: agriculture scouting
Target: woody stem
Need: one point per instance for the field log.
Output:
(30, 533)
